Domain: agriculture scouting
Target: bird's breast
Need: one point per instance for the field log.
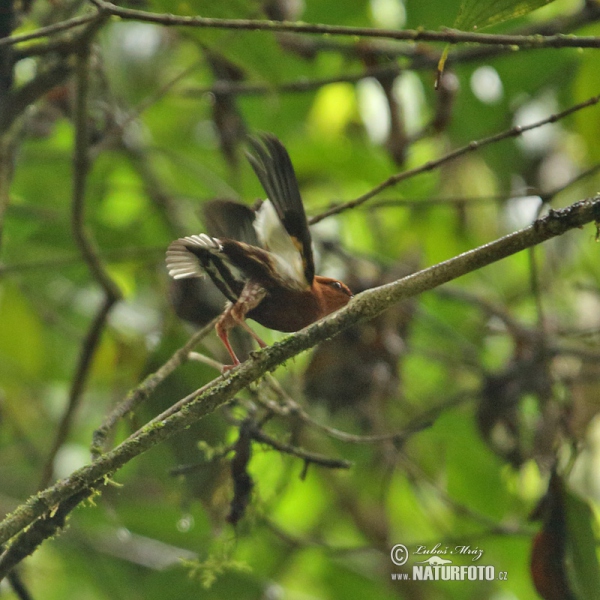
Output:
(287, 310)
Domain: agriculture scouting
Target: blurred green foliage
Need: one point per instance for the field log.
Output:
(163, 142)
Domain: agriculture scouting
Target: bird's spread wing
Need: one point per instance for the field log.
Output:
(274, 169)
(280, 245)
(195, 255)
(234, 254)
(228, 263)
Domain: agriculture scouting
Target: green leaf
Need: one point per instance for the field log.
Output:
(21, 342)
(582, 547)
(475, 14)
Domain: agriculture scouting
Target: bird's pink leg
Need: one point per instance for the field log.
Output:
(251, 296)
(253, 334)
(222, 327)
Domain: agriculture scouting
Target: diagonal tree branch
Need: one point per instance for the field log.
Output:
(50, 29)
(515, 131)
(201, 403)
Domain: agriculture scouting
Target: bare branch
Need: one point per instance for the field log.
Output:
(112, 293)
(307, 456)
(454, 202)
(292, 408)
(51, 29)
(515, 131)
(448, 36)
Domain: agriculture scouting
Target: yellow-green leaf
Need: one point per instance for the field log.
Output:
(582, 547)
(476, 14)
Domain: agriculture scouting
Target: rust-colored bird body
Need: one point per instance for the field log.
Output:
(268, 274)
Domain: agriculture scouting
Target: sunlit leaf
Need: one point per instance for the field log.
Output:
(21, 337)
(334, 107)
(476, 14)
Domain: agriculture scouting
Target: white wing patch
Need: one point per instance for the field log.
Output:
(274, 238)
(181, 263)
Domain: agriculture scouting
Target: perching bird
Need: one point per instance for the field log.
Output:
(269, 277)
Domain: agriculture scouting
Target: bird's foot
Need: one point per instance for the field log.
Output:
(225, 369)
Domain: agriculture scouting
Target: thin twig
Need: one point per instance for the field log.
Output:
(292, 408)
(51, 29)
(112, 294)
(457, 201)
(515, 131)
(18, 586)
(536, 291)
(62, 45)
(206, 360)
(197, 466)
(307, 456)
(417, 58)
(81, 167)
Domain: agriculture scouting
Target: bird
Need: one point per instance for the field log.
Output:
(268, 273)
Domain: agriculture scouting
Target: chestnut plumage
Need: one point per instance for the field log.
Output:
(267, 274)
